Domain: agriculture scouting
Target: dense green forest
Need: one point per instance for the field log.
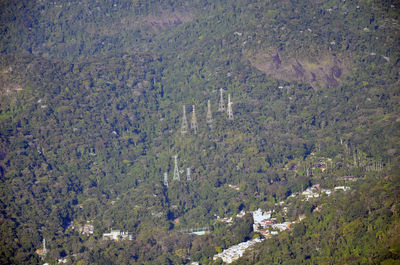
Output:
(91, 98)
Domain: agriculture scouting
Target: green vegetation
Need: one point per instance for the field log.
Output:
(359, 227)
(91, 96)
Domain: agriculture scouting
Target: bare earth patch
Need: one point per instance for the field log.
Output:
(8, 86)
(321, 72)
(160, 21)
(7, 89)
(168, 19)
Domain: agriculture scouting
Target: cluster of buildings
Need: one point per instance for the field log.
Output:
(316, 190)
(117, 235)
(62, 260)
(229, 220)
(235, 252)
(343, 188)
(267, 225)
(321, 164)
(87, 229)
(264, 223)
(235, 187)
(312, 192)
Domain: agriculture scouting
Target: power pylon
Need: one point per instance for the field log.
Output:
(166, 179)
(176, 169)
(221, 106)
(209, 114)
(193, 123)
(184, 128)
(229, 111)
(188, 174)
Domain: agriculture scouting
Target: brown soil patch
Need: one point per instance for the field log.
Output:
(169, 19)
(160, 21)
(319, 72)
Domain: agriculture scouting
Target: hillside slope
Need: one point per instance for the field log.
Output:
(91, 97)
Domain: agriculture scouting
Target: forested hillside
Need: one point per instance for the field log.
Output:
(91, 98)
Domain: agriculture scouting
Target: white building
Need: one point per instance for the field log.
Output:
(343, 188)
(282, 226)
(241, 214)
(259, 216)
(117, 235)
(235, 252)
(326, 191)
(87, 229)
(261, 221)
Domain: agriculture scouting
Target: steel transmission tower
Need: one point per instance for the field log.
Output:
(193, 123)
(176, 169)
(221, 106)
(209, 114)
(229, 111)
(184, 128)
(166, 179)
(44, 246)
(188, 174)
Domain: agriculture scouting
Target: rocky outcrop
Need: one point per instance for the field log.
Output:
(168, 19)
(320, 72)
